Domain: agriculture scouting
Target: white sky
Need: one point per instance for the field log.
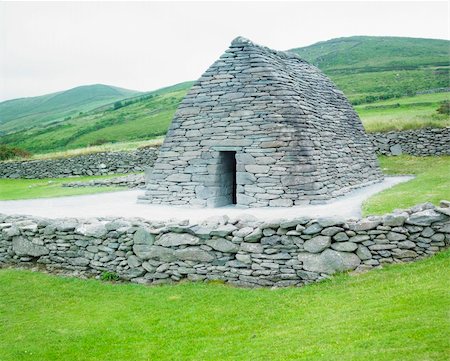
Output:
(51, 46)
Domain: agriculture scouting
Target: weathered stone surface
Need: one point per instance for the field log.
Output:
(244, 258)
(96, 230)
(329, 261)
(425, 218)
(359, 238)
(393, 236)
(406, 244)
(66, 225)
(11, 232)
(79, 261)
(255, 236)
(143, 236)
(23, 247)
(293, 223)
(145, 252)
(404, 253)
(223, 245)
(396, 149)
(363, 253)
(340, 237)
(177, 239)
(330, 221)
(331, 231)
(394, 220)
(133, 261)
(194, 254)
(379, 247)
(317, 244)
(251, 247)
(445, 210)
(313, 228)
(344, 246)
(223, 230)
(366, 224)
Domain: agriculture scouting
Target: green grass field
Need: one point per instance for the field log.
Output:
(404, 113)
(396, 313)
(47, 188)
(432, 183)
(18, 114)
(142, 120)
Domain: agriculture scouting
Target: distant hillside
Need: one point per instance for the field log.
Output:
(27, 112)
(369, 70)
(142, 117)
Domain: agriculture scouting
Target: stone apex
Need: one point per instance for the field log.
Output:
(241, 41)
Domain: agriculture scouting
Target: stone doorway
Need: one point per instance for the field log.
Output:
(227, 175)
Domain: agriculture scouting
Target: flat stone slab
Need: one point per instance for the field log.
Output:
(123, 204)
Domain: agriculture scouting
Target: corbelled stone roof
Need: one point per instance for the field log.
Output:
(297, 139)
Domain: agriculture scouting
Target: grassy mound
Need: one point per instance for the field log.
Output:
(396, 313)
(431, 184)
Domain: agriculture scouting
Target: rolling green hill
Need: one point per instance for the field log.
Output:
(370, 71)
(369, 68)
(143, 117)
(23, 113)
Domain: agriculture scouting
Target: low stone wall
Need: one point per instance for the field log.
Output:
(244, 252)
(129, 181)
(82, 165)
(420, 142)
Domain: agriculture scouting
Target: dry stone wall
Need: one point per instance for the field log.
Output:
(82, 165)
(243, 252)
(129, 181)
(420, 142)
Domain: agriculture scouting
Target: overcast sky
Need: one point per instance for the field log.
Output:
(47, 46)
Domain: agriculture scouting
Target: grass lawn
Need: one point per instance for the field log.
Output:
(404, 113)
(432, 183)
(47, 188)
(396, 313)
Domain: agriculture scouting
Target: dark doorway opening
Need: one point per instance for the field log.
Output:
(228, 176)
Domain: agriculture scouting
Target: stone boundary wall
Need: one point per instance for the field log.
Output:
(244, 252)
(81, 165)
(420, 142)
(129, 181)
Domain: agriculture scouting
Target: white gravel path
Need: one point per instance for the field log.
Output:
(123, 204)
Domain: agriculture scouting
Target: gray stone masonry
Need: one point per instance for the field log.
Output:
(82, 165)
(294, 137)
(420, 142)
(243, 251)
(129, 181)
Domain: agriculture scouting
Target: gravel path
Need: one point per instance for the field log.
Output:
(124, 204)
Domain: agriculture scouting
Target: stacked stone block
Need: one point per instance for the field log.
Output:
(419, 142)
(296, 137)
(244, 252)
(81, 165)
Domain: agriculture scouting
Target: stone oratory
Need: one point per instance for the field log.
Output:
(261, 128)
